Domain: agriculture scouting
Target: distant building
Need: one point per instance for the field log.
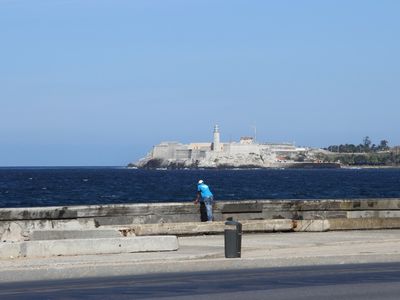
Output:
(247, 140)
(216, 153)
(216, 145)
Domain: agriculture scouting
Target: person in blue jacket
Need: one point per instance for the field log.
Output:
(205, 197)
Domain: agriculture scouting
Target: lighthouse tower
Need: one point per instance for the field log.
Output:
(216, 146)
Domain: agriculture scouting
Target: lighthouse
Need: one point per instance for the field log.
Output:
(216, 146)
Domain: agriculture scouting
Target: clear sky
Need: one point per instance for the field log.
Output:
(101, 82)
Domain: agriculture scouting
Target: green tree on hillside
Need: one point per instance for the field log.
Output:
(365, 147)
(383, 145)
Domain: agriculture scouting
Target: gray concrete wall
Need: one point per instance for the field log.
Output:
(91, 246)
(18, 223)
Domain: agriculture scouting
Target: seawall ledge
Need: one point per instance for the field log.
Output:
(16, 224)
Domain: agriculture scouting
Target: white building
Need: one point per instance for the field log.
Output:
(206, 154)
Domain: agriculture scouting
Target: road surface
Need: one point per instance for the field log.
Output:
(359, 281)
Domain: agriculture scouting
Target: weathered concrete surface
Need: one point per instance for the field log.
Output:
(198, 228)
(87, 246)
(10, 250)
(284, 225)
(194, 228)
(57, 234)
(12, 231)
(16, 224)
(186, 211)
(19, 230)
(373, 214)
(364, 223)
(311, 225)
(204, 253)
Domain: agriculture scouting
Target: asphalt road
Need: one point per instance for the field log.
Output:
(361, 281)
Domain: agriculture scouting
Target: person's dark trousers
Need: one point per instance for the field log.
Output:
(203, 212)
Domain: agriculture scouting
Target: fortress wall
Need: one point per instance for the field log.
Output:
(16, 223)
(183, 154)
(171, 150)
(198, 154)
(235, 148)
(160, 151)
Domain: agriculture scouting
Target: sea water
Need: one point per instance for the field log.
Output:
(29, 187)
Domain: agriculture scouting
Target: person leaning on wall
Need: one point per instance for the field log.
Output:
(206, 199)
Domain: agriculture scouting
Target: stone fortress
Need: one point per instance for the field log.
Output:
(246, 153)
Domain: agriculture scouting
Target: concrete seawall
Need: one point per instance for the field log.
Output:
(66, 247)
(17, 224)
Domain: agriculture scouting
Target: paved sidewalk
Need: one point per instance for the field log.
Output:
(201, 253)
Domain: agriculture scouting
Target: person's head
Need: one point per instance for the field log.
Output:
(200, 181)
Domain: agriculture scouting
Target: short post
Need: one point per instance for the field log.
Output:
(233, 239)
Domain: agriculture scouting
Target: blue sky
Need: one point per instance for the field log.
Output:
(101, 82)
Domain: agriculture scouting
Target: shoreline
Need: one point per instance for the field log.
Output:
(310, 166)
(369, 167)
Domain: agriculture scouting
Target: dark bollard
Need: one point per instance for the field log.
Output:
(233, 239)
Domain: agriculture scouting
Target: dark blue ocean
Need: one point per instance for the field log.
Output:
(28, 187)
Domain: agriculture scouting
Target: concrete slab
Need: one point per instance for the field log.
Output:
(10, 250)
(11, 231)
(311, 225)
(364, 223)
(41, 235)
(88, 246)
(193, 228)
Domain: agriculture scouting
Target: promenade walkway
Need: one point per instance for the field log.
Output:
(206, 252)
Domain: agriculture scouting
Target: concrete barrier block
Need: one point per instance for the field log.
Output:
(89, 246)
(364, 223)
(117, 220)
(373, 214)
(242, 216)
(322, 215)
(40, 235)
(12, 231)
(10, 250)
(73, 224)
(19, 230)
(268, 225)
(311, 225)
(190, 228)
(157, 214)
(194, 228)
(242, 207)
(34, 213)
